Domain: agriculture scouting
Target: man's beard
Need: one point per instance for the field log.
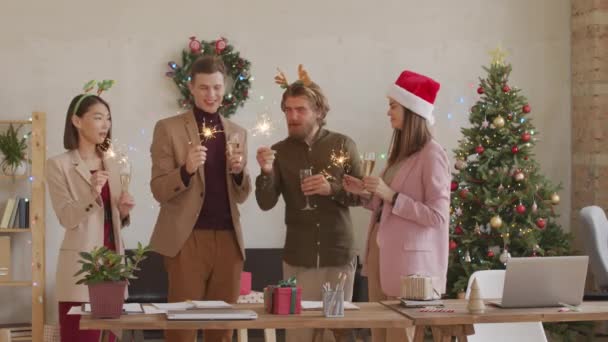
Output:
(302, 132)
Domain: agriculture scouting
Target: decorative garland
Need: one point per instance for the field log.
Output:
(237, 69)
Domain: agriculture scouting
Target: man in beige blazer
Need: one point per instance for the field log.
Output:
(198, 186)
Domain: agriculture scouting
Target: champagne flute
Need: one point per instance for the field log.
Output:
(305, 173)
(233, 146)
(369, 161)
(125, 173)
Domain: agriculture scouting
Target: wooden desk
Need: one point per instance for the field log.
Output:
(370, 315)
(460, 322)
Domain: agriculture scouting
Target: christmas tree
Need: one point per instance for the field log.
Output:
(502, 206)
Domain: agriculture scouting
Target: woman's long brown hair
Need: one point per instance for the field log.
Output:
(411, 138)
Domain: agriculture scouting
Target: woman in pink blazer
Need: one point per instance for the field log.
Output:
(408, 232)
(85, 189)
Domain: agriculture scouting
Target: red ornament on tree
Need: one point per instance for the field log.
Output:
(480, 90)
(509, 116)
(454, 186)
(525, 136)
(514, 149)
(464, 193)
(521, 209)
(479, 149)
(220, 45)
(458, 230)
(490, 254)
(453, 245)
(506, 88)
(527, 108)
(194, 45)
(541, 223)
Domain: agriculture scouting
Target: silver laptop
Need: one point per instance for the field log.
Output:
(544, 282)
(212, 314)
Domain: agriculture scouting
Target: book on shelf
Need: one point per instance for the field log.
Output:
(11, 221)
(5, 258)
(8, 210)
(16, 213)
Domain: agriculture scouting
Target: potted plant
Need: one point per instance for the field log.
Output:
(106, 273)
(14, 150)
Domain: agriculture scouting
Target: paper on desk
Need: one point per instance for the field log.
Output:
(420, 303)
(210, 304)
(151, 310)
(126, 307)
(318, 305)
(193, 304)
(77, 310)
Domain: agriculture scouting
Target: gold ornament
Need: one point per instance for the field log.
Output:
(519, 176)
(499, 122)
(496, 222)
(460, 164)
(555, 198)
(498, 56)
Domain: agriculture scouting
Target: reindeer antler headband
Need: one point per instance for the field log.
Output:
(101, 87)
(303, 78)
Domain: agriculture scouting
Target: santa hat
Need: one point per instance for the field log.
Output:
(415, 92)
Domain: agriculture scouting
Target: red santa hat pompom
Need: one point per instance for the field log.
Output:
(415, 92)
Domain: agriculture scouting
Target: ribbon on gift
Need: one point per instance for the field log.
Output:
(291, 282)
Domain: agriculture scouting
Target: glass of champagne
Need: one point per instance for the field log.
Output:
(305, 173)
(369, 161)
(125, 173)
(233, 146)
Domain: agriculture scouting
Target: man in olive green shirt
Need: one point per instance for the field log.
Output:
(319, 244)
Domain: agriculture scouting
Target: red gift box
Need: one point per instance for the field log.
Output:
(283, 300)
(245, 283)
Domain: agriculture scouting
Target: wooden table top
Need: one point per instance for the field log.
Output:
(589, 311)
(370, 315)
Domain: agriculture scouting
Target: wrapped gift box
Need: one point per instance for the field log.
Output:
(283, 299)
(245, 283)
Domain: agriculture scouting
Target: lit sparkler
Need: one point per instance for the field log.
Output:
(263, 126)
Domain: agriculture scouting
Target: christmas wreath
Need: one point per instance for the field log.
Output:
(238, 75)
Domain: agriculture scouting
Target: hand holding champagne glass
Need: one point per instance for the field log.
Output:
(369, 161)
(125, 173)
(235, 152)
(305, 173)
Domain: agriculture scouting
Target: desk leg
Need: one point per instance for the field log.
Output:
(445, 333)
(132, 336)
(419, 334)
(270, 335)
(241, 335)
(104, 336)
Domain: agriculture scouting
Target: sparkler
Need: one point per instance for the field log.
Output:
(263, 126)
(208, 133)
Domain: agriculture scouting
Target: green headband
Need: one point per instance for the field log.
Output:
(101, 87)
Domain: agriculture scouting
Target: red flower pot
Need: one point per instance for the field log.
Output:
(107, 299)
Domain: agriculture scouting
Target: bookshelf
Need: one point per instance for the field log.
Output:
(36, 224)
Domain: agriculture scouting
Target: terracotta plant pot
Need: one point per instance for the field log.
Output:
(107, 299)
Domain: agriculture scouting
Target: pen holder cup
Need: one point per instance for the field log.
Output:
(333, 303)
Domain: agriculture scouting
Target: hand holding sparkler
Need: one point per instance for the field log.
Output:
(354, 185)
(197, 155)
(265, 157)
